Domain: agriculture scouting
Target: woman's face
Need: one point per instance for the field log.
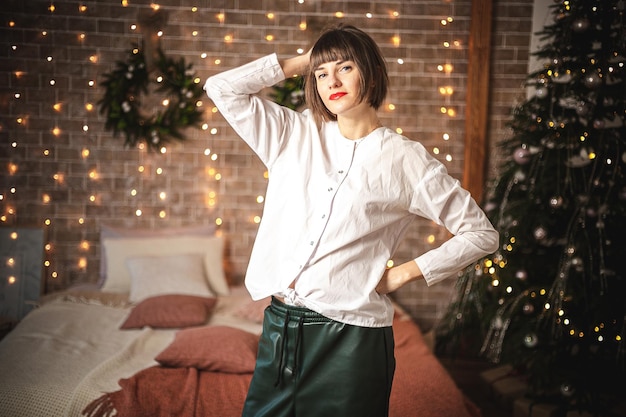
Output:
(338, 85)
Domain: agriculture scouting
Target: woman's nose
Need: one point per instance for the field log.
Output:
(333, 81)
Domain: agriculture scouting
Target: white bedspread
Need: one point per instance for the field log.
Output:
(51, 351)
(65, 354)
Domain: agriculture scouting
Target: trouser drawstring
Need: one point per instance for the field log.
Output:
(282, 350)
(282, 363)
(296, 352)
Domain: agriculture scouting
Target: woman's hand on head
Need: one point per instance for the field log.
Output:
(297, 65)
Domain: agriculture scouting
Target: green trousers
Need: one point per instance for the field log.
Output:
(311, 366)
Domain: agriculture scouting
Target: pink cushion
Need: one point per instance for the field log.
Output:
(170, 311)
(212, 348)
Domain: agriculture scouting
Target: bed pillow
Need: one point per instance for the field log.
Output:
(120, 249)
(212, 348)
(113, 232)
(170, 311)
(173, 274)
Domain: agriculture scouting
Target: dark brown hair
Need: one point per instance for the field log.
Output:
(347, 43)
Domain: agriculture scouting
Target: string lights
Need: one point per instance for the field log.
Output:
(147, 186)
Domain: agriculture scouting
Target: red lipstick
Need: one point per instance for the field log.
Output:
(336, 96)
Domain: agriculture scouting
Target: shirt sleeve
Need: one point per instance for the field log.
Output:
(261, 123)
(442, 199)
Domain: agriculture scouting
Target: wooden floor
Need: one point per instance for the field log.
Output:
(466, 374)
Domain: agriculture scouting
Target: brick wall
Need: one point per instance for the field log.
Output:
(61, 170)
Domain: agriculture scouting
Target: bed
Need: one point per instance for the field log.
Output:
(163, 334)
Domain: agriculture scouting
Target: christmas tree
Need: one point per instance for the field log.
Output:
(551, 302)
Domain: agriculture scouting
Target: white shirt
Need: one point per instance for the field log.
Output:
(336, 209)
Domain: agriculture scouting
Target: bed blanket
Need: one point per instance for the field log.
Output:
(178, 389)
(422, 388)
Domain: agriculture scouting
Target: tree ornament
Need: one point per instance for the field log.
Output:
(540, 233)
(531, 340)
(522, 275)
(556, 201)
(132, 80)
(541, 92)
(567, 390)
(580, 25)
(528, 308)
(580, 160)
(522, 156)
(592, 80)
(583, 108)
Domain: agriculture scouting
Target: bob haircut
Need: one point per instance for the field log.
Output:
(347, 43)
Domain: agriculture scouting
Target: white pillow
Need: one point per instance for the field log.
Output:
(107, 231)
(172, 274)
(120, 249)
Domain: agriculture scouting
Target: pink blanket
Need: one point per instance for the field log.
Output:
(422, 388)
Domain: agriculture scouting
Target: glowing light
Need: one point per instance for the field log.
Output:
(82, 263)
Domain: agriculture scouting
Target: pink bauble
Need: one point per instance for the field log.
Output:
(522, 156)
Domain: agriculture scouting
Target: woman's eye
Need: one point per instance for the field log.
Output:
(320, 76)
(346, 68)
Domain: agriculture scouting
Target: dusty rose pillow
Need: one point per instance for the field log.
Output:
(170, 311)
(212, 348)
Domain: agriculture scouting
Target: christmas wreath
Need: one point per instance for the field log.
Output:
(122, 101)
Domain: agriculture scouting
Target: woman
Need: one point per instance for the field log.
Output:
(342, 191)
